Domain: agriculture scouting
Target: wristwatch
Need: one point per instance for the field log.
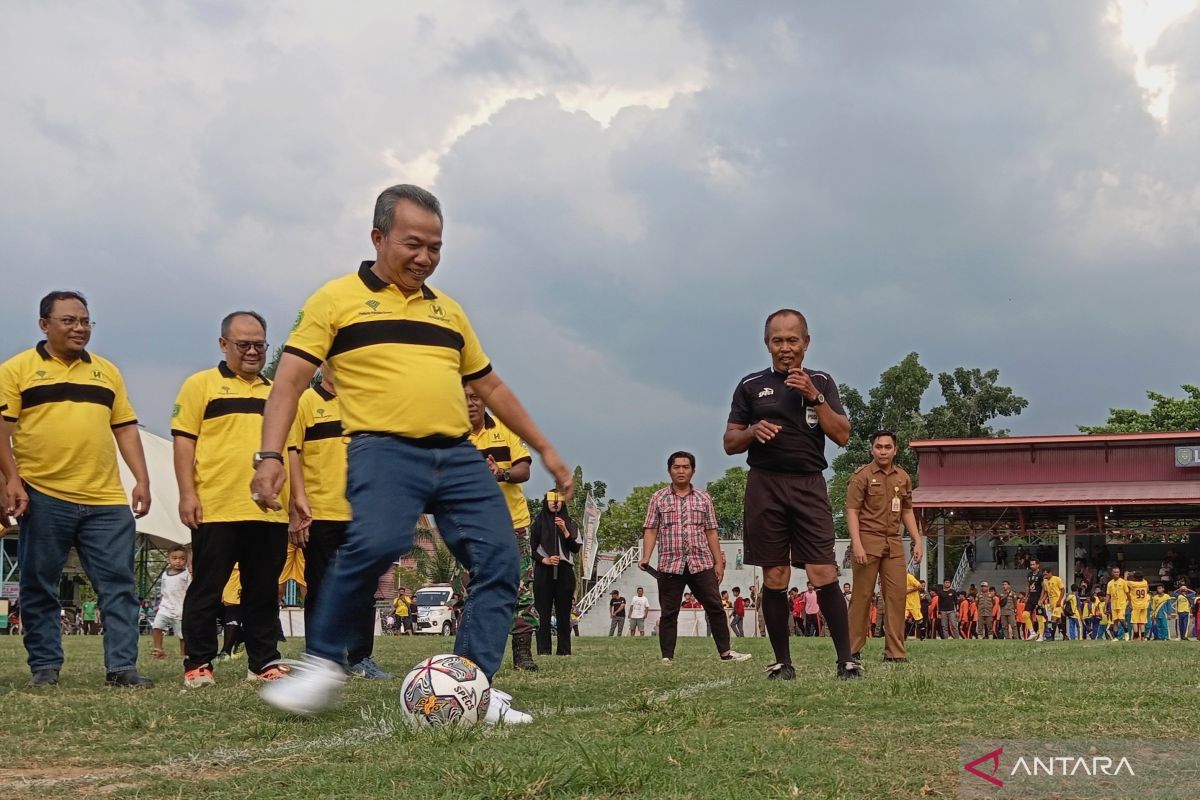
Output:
(820, 401)
(505, 475)
(263, 455)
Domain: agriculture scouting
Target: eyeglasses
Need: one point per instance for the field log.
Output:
(245, 347)
(71, 322)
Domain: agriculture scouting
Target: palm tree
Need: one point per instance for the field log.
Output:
(434, 561)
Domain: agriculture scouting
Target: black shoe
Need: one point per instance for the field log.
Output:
(47, 676)
(856, 657)
(849, 669)
(781, 672)
(896, 660)
(129, 677)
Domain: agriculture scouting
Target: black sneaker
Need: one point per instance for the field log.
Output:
(129, 677)
(781, 672)
(47, 676)
(849, 669)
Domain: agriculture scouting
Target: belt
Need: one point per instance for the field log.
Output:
(434, 442)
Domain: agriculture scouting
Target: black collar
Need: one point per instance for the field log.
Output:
(324, 393)
(377, 284)
(488, 422)
(85, 356)
(225, 371)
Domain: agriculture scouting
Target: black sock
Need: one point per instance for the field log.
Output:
(777, 615)
(833, 606)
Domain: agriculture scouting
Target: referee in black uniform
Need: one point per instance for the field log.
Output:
(780, 417)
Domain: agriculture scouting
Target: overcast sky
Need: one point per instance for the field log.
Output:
(629, 189)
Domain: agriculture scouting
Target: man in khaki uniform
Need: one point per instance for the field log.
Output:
(878, 498)
(1008, 612)
(984, 604)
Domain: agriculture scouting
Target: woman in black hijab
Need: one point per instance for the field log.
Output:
(554, 541)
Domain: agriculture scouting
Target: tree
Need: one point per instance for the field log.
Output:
(1166, 414)
(972, 399)
(621, 527)
(894, 404)
(728, 496)
(597, 489)
(272, 365)
(436, 566)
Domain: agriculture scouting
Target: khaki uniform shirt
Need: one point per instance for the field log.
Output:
(880, 498)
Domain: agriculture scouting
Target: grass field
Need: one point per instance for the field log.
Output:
(612, 722)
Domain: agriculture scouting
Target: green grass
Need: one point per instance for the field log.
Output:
(612, 722)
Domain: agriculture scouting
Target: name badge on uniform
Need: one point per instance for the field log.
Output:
(810, 416)
(896, 501)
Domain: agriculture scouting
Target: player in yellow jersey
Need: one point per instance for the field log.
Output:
(912, 602)
(1052, 599)
(1117, 592)
(1161, 605)
(1184, 598)
(1139, 604)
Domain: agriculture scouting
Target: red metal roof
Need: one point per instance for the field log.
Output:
(1082, 438)
(1060, 494)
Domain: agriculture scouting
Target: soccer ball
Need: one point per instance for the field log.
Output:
(445, 690)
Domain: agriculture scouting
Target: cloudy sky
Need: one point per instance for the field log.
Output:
(630, 188)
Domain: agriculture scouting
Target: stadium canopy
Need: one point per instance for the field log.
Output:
(161, 527)
(1140, 485)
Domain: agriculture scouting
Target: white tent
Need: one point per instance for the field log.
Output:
(161, 526)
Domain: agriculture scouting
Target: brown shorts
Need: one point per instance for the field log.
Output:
(787, 520)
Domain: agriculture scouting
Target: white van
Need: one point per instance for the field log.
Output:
(433, 609)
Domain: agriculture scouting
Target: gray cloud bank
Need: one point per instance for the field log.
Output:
(983, 185)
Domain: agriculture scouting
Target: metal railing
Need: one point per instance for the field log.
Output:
(960, 574)
(627, 560)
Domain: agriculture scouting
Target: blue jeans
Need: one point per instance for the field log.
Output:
(104, 538)
(389, 483)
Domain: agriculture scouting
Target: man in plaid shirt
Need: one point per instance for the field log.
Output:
(681, 520)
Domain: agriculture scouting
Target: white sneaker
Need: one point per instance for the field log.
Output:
(734, 655)
(500, 710)
(667, 660)
(312, 685)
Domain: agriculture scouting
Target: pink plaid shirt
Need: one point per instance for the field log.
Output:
(681, 523)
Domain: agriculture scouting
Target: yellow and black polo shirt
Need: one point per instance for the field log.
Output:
(63, 416)
(223, 412)
(399, 362)
(318, 436)
(506, 448)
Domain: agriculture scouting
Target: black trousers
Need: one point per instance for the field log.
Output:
(548, 591)
(324, 538)
(670, 595)
(259, 550)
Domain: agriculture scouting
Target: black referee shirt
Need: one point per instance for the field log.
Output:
(799, 447)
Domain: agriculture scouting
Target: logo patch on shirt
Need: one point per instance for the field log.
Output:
(320, 412)
(436, 312)
(767, 392)
(374, 306)
(810, 416)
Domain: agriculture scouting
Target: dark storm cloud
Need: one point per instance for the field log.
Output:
(939, 185)
(980, 183)
(517, 48)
